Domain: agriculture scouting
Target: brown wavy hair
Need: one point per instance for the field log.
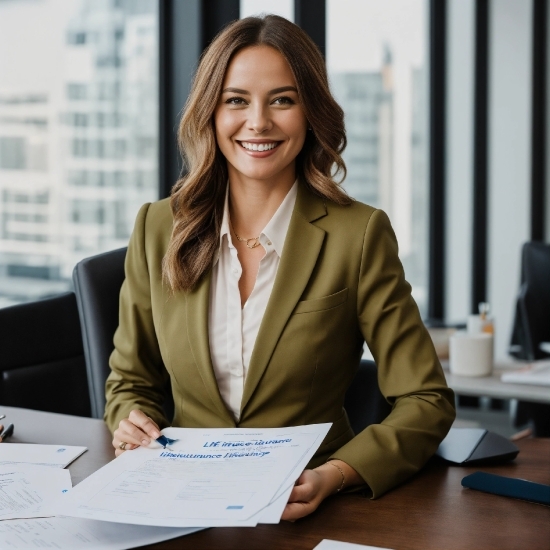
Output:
(197, 198)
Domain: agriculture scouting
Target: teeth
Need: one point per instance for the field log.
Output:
(258, 146)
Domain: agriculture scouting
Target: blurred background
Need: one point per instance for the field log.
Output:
(446, 113)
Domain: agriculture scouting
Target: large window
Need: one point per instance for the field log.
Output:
(378, 68)
(78, 135)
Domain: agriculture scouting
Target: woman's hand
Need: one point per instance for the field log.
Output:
(135, 431)
(313, 486)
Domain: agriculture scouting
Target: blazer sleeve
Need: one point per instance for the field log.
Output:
(409, 373)
(138, 377)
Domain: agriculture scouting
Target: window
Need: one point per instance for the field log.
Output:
(378, 70)
(77, 125)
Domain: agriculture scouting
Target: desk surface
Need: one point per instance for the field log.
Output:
(431, 511)
(491, 386)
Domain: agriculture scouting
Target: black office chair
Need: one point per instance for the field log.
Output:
(41, 360)
(97, 281)
(531, 328)
(532, 321)
(364, 402)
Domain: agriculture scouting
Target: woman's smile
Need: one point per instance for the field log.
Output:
(254, 146)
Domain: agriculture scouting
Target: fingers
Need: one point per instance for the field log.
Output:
(146, 424)
(136, 430)
(1, 429)
(305, 497)
(297, 510)
(303, 492)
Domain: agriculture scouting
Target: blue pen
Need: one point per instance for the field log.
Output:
(165, 441)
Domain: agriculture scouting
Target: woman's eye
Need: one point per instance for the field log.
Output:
(235, 101)
(283, 101)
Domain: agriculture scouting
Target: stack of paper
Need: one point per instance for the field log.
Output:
(27, 492)
(57, 456)
(208, 478)
(537, 373)
(81, 534)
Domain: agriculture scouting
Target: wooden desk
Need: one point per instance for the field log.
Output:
(431, 511)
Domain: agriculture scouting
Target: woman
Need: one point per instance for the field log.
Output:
(250, 293)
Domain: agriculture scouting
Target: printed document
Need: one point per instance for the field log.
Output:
(327, 544)
(207, 478)
(26, 490)
(80, 534)
(57, 456)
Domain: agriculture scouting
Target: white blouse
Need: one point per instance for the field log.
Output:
(232, 330)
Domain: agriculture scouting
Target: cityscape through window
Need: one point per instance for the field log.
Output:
(78, 135)
(378, 70)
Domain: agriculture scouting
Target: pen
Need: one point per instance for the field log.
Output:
(8, 430)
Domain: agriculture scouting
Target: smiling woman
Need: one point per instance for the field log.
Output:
(250, 293)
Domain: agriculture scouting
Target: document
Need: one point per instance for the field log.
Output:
(537, 373)
(27, 490)
(81, 534)
(328, 544)
(208, 478)
(58, 456)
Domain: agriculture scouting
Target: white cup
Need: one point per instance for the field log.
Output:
(471, 354)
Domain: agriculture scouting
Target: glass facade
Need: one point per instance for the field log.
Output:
(377, 58)
(78, 135)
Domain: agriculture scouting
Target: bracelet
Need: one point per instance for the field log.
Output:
(341, 473)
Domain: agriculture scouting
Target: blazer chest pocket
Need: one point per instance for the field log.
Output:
(320, 304)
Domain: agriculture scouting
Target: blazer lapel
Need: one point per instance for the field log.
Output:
(195, 309)
(302, 246)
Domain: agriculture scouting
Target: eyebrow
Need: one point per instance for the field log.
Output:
(271, 92)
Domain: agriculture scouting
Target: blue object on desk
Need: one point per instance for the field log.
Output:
(165, 441)
(508, 487)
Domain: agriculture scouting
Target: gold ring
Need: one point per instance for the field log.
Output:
(122, 445)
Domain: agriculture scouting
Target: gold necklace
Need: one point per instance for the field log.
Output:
(255, 240)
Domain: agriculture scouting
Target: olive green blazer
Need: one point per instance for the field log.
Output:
(339, 282)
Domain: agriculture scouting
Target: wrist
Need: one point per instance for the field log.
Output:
(333, 478)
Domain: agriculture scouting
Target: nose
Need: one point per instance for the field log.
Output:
(259, 120)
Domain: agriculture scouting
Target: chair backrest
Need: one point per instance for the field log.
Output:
(41, 359)
(364, 402)
(97, 281)
(532, 321)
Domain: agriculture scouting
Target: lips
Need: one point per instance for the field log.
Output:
(260, 147)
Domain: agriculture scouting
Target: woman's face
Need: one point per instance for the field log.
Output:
(260, 123)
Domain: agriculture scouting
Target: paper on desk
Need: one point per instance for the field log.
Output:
(26, 490)
(537, 373)
(57, 456)
(211, 478)
(327, 544)
(81, 534)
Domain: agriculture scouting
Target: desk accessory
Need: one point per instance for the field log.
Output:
(508, 487)
(475, 445)
(471, 354)
(6, 432)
